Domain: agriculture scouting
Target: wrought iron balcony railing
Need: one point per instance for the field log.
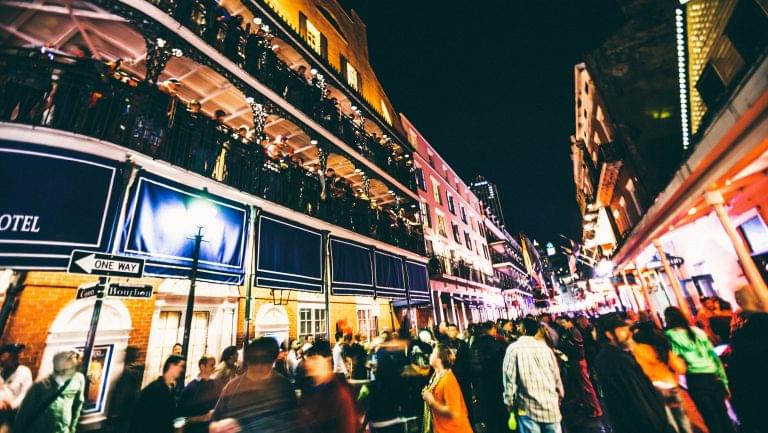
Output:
(92, 98)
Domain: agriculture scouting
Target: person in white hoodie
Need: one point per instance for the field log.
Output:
(15, 380)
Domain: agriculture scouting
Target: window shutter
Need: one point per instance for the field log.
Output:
(323, 46)
(343, 66)
(302, 25)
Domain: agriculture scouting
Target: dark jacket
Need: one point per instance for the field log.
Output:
(634, 404)
(199, 397)
(747, 374)
(155, 409)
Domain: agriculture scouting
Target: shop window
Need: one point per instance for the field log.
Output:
(311, 321)
(367, 323)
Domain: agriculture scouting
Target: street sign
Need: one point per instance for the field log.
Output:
(88, 262)
(87, 291)
(129, 291)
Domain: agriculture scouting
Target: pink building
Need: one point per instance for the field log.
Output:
(462, 277)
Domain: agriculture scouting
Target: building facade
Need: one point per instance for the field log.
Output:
(141, 125)
(464, 288)
(691, 226)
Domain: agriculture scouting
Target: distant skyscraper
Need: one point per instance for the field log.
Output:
(489, 195)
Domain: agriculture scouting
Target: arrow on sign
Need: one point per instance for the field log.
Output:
(86, 263)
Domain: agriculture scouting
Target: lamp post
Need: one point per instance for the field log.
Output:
(200, 213)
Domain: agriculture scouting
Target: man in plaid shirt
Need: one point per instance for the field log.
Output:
(532, 384)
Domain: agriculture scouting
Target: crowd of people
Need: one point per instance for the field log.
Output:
(619, 372)
(78, 94)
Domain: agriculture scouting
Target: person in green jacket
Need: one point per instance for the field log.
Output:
(705, 376)
(53, 404)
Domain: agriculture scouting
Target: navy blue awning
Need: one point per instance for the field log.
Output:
(351, 268)
(289, 256)
(389, 275)
(418, 281)
(159, 227)
(53, 201)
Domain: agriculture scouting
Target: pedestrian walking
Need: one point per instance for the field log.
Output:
(327, 404)
(580, 395)
(156, 407)
(460, 367)
(445, 410)
(199, 397)
(54, 404)
(15, 381)
(634, 405)
(227, 367)
(705, 375)
(653, 353)
(746, 365)
(125, 393)
(259, 400)
(532, 384)
(486, 360)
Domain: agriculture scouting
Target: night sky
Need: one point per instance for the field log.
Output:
(490, 85)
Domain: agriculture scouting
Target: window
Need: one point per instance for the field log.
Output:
(436, 192)
(426, 218)
(456, 234)
(352, 77)
(441, 226)
(311, 321)
(312, 35)
(481, 229)
(485, 252)
(430, 247)
(171, 331)
(468, 240)
(385, 112)
(451, 205)
(431, 159)
(367, 323)
(420, 179)
(463, 215)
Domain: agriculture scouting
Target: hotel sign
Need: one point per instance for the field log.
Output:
(52, 201)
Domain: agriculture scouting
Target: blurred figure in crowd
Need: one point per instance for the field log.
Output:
(327, 405)
(15, 380)
(486, 360)
(259, 400)
(634, 405)
(54, 404)
(705, 375)
(227, 368)
(125, 392)
(199, 397)
(156, 407)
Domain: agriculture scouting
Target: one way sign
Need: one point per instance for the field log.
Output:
(108, 265)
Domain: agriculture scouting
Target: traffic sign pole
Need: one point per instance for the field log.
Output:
(91, 339)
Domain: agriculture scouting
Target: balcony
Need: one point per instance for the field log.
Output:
(443, 265)
(46, 89)
(284, 72)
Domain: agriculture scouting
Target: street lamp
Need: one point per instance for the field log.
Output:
(200, 213)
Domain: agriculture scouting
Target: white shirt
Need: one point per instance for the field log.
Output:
(338, 360)
(16, 386)
(532, 379)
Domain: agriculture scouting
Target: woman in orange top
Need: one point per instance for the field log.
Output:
(444, 407)
(653, 352)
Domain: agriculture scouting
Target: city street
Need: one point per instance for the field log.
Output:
(340, 216)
